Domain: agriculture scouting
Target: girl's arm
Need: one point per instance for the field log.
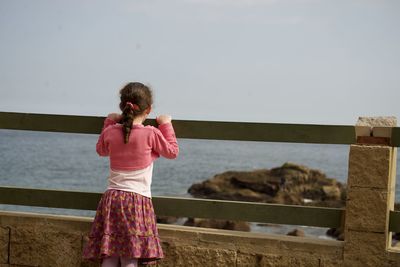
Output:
(101, 146)
(164, 142)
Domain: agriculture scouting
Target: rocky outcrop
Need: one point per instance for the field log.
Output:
(290, 184)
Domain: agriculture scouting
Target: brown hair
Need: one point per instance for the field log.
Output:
(141, 97)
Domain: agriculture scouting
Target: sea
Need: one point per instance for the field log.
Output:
(68, 161)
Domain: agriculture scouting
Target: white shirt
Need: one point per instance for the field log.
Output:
(138, 181)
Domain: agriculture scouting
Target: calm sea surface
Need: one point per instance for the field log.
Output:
(69, 161)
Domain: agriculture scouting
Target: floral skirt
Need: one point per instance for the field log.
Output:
(124, 226)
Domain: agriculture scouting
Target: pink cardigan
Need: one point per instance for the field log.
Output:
(146, 144)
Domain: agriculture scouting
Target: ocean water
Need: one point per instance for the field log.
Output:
(69, 161)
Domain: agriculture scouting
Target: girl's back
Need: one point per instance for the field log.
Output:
(145, 144)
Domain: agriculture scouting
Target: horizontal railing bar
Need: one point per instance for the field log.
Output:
(239, 131)
(183, 207)
(394, 221)
(51, 122)
(49, 198)
(249, 211)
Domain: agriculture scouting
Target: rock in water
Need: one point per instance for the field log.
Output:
(336, 233)
(296, 232)
(290, 184)
(167, 219)
(218, 224)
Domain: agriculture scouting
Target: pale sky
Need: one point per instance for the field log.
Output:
(299, 61)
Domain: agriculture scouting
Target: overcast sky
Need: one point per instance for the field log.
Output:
(300, 61)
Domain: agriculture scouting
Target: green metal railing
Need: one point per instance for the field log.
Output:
(189, 207)
(182, 207)
(239, 131)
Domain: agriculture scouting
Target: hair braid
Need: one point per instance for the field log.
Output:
(127, 119)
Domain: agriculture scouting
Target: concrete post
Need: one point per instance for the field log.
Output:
(370, 194)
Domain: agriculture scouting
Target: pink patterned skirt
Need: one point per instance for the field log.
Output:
(124, 226)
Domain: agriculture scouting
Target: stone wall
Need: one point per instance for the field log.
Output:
(50, 240)
(370, 196)
(369, 191)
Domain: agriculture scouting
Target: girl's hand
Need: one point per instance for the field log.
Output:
(163, 119)
(115, 117)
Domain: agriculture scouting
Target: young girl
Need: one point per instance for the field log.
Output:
(124, 230)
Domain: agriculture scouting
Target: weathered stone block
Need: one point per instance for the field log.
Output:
(220, 237)
(248, 260)
(369, 166)
(265, 260)
(266, 245)
(200, 256)
(368, 262)
(366, 209)
(45, 247)
(364, 249)
(276, 261)
(303, 262)
(189, 234)
(382, 121)
(307, 247)
(331, 263)
(4, 243)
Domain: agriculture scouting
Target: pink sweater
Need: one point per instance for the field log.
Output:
(146, 144)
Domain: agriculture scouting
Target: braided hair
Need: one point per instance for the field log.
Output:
(135, 99)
